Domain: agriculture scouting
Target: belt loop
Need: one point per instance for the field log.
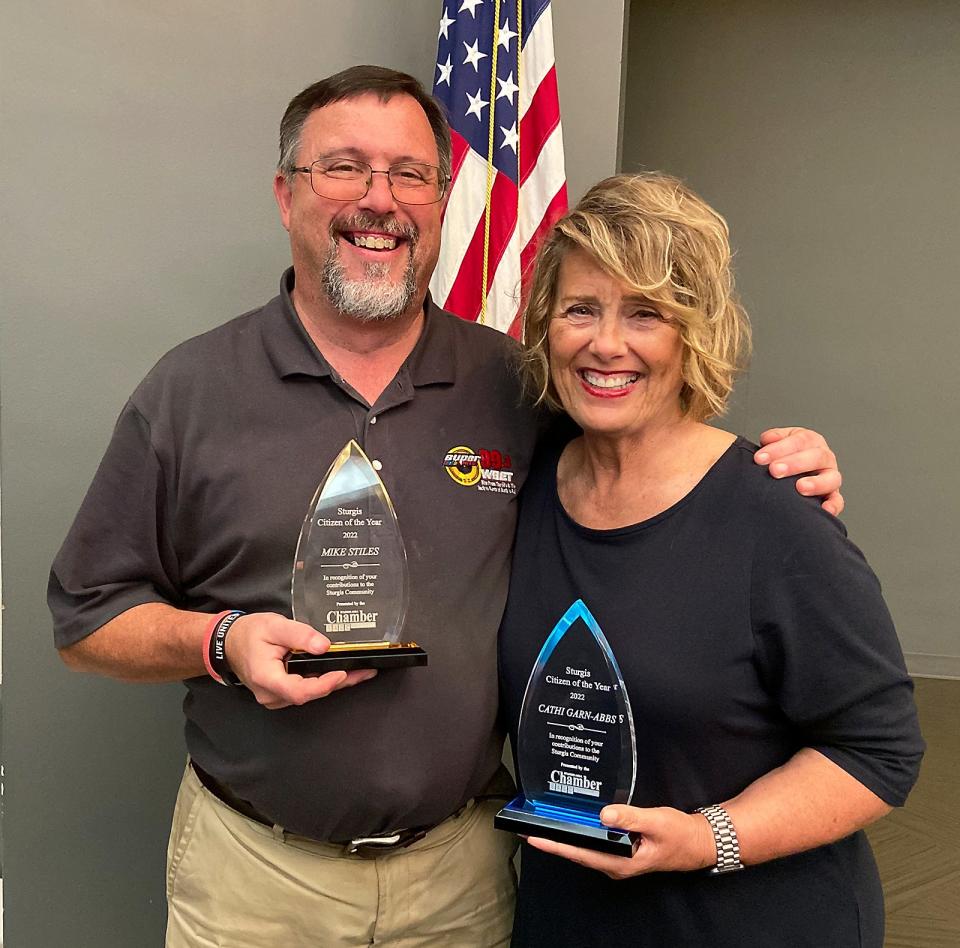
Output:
(279, 833)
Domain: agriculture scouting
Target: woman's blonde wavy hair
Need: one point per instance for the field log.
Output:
(654, 234)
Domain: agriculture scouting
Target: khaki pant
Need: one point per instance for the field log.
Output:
(235, 883)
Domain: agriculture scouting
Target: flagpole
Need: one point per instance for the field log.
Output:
(519, 139)
(490, 166)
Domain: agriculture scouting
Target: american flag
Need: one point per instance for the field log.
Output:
(509, 184)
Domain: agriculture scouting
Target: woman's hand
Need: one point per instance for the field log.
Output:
(792, 451)
(807, 802)
(670, 841)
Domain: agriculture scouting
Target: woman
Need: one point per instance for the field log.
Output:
(762, 669)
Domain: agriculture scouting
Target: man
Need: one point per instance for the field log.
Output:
(361, 819)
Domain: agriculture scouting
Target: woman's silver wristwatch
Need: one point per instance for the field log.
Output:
(725, 838)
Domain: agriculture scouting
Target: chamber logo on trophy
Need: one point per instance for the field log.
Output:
(350, 578)
(576, 749)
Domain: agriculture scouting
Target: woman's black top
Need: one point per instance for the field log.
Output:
(747, 626)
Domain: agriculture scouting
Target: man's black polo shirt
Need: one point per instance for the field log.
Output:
(199, 503)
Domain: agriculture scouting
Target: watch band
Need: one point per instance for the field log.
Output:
(724, 837)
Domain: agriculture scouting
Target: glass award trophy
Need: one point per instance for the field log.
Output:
(350, 573)
(576, 750)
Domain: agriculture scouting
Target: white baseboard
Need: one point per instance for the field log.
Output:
(924, 665)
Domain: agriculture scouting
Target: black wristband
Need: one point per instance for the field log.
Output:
(217, 649)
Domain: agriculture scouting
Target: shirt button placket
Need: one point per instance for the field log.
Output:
(377, 464)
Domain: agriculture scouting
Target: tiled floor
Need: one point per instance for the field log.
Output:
(918, 847)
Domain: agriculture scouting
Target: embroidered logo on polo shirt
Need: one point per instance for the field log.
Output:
(486, 469)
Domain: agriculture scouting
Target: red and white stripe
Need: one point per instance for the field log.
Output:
(515, 225)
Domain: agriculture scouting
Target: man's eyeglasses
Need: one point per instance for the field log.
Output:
(347, 179)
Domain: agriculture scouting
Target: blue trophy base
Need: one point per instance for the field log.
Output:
(564, 825)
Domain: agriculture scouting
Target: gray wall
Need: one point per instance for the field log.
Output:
(828, 134)
(138, 152)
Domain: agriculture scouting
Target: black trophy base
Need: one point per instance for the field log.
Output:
(526, 819)
(346, 656)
